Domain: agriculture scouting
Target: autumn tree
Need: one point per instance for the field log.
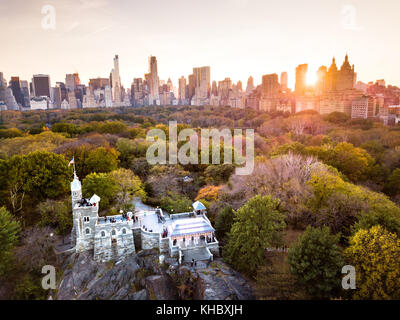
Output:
(258, 225)
(316, 261)
(103, 160)
(128, 185)
(375, 254)
(354, 162)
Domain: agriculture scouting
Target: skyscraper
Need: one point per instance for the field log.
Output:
(116, 81)
(301, 79)
(154, 96)
(202, 82)
(284, 81)
(182, 90)
(41, 85)
(270, 84)
(25, 92)
(16, 90)
(250, 85)
(56, 96)
(72, 81)
(2, 87)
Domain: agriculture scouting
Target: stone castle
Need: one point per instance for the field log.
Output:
(185, 236)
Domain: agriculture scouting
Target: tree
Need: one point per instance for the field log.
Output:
(32, 178)
(375, 254)
(354, 162)
(393, 183)
(258, 225)
(9, 231)
(208, 193)
(103, 160)
(218, 174)
(385, 214)
(224, 222)
(175, 203)
(101, 184)
(46, 174)
(56, 214)
(316, 261)
(128, 186)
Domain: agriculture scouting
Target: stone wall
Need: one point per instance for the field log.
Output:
(150, 240)
(164, 245)
(113, 241)
(214, 248)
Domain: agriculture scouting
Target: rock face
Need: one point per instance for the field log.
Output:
(141, 277)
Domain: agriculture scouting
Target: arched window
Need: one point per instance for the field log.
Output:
(103, 234)
(123, 231)
(86, 219)
(87, 230)
(113, 232)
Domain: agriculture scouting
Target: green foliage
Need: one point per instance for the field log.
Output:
(218, 174)
(29, 288)
(175, 203)
(354, 162)
(9, 231)
(337, 118)
(316, 261)
(101, 184)
(128, 186)
(258, 225)
(224, 222)
(10, 133)
(102, 160)
(385, 214)
(46, 141)
(393, 184)
(69, 128)
(375, 254)
(56, 214)
(29, 179)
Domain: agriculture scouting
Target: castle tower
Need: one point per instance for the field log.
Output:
(76, 190)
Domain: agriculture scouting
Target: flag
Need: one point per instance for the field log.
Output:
(71, 162)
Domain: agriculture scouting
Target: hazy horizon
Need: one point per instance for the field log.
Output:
(236, 38)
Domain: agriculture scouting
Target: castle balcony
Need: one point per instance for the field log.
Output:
(112, 220)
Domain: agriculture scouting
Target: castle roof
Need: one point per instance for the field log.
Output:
(189, 226)
(94, 199)
(198, 206)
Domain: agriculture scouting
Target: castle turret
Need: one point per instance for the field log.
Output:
(76, 190)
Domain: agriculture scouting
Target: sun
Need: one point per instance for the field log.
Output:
(311, 78)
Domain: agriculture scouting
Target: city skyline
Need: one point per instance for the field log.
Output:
(240, 49)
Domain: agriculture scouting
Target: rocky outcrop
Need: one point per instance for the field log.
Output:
(141, 277)
(161, 287)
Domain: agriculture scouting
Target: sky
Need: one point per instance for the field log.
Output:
(236, 38)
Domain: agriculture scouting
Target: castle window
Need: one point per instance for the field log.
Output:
(87, 230)
(103, 234)
(113, 233)
(124, 231)
(86, 219)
